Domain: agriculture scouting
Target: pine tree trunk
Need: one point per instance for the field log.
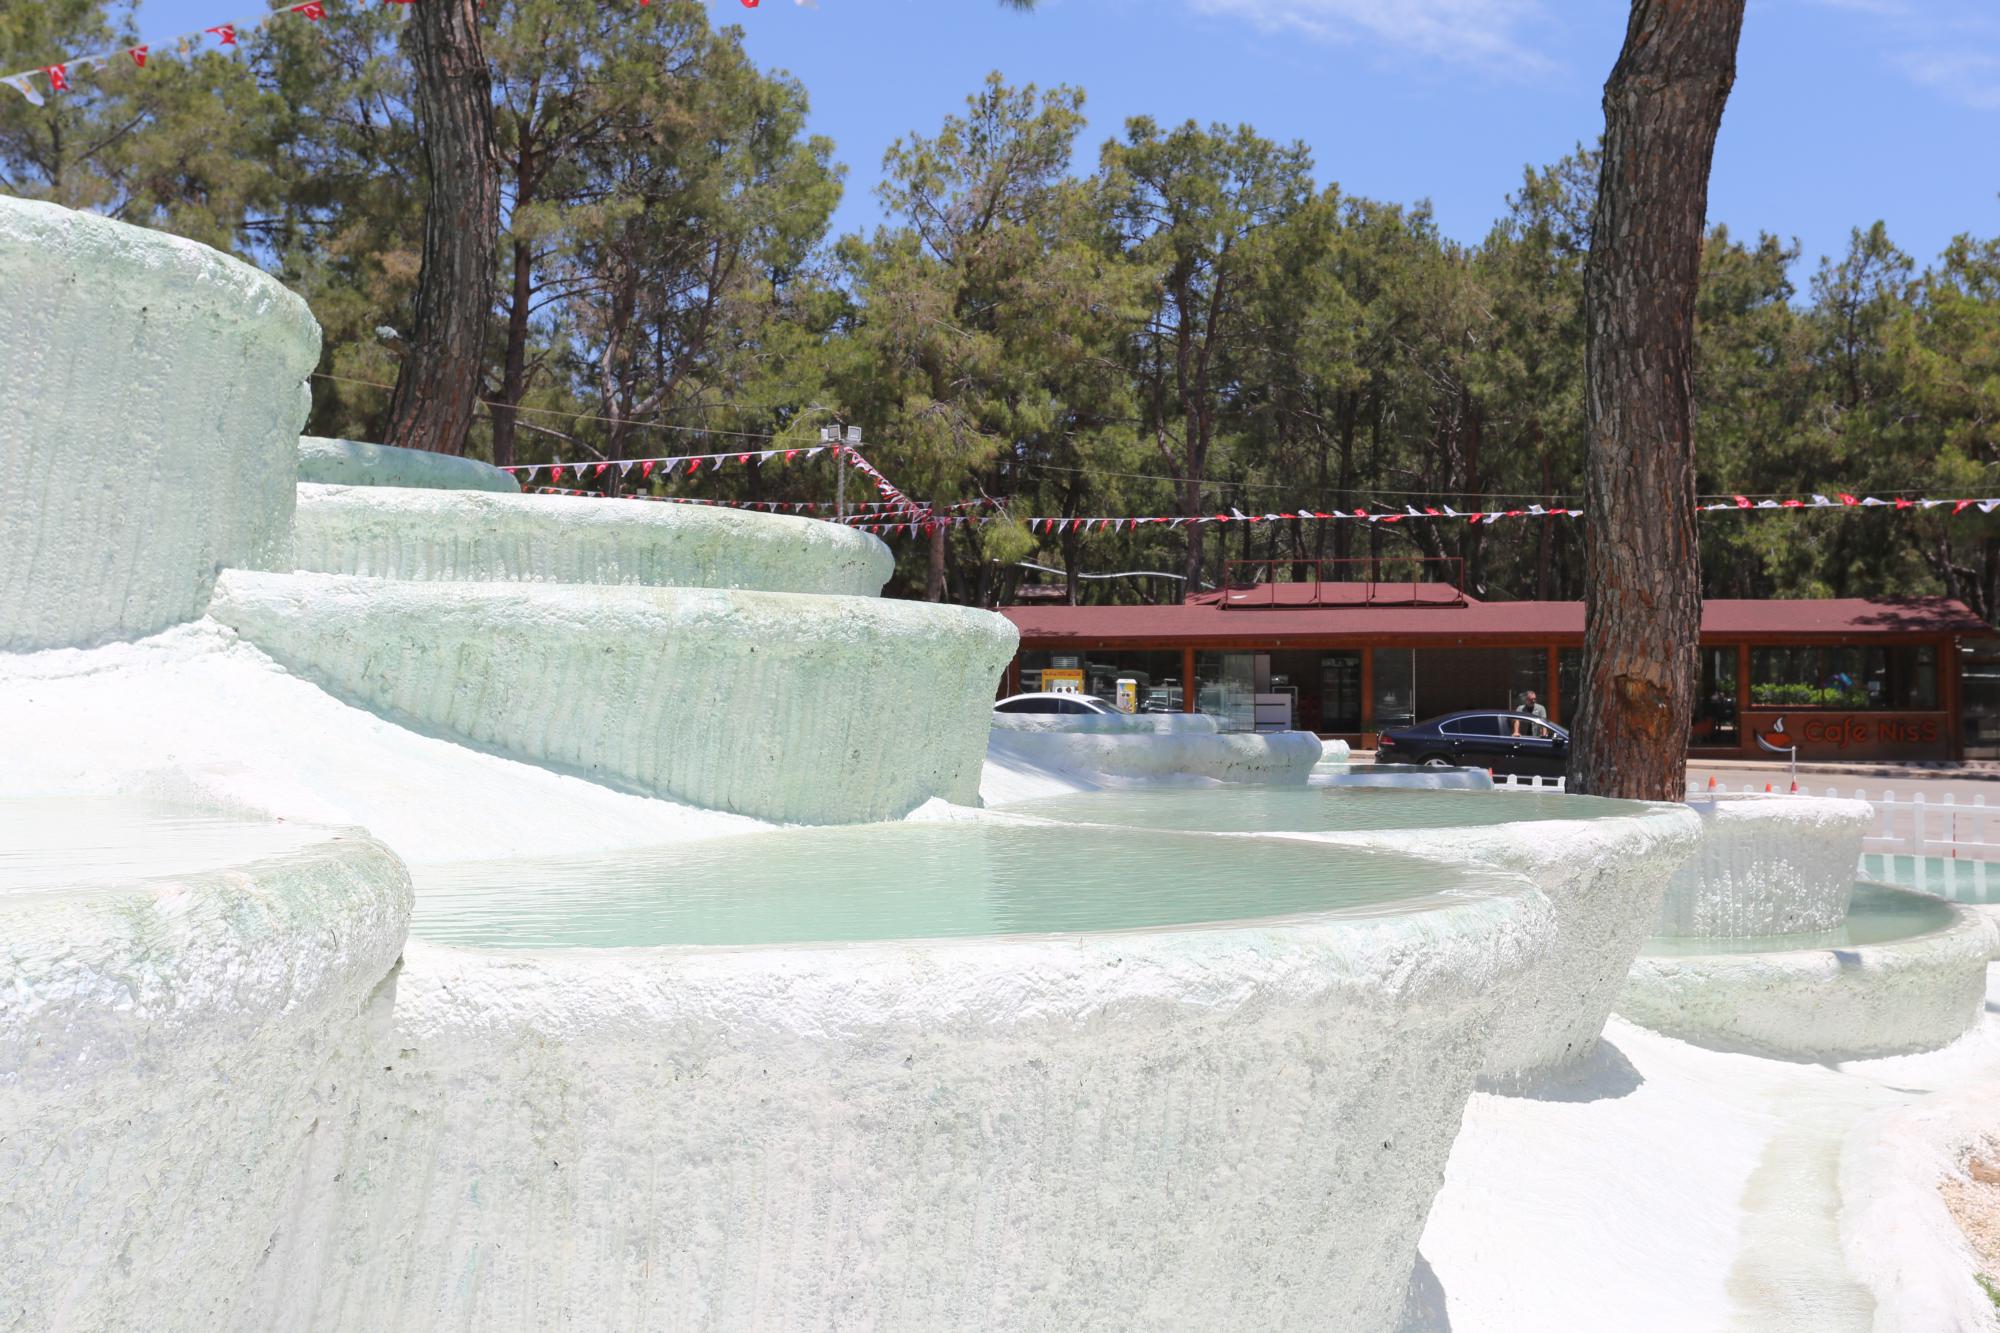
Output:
(1642, 590)
(437, 385)
(934, 584)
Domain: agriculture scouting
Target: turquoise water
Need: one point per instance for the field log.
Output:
(1956, 879)
(1316, 809)
(66, 841)
(1879, 914)
(917, 881)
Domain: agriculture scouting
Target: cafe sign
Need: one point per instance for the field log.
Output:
(1851, 735)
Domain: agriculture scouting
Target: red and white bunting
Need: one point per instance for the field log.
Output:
(900, 515)
(225, 34)
(684, 464)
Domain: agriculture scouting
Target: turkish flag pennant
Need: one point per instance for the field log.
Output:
(1902, 503)
(58, 77)
(555, 474)
(312, 10)
(790, 454)
(742, 458)
(1960, 506)
(1742, 502)
(600, 469)
(646, 469)
(225, 32)
(138, 54)
(1848, 499)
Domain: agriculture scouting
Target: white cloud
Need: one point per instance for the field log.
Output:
(1484, 33)
(1970, 78)
(1951, 47)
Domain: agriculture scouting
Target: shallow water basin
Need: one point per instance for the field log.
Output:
(919, 881)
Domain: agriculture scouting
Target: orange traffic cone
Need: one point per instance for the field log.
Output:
(1711, 782)
(1795, 788)
(1767, 789)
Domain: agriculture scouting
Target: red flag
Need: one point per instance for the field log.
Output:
(1742, 502)
(138, 54)
(790, 454)
(556, 475)
(646, 469)
(312, 10)
(749, 4)
(225, 32)
(58, 77)
(1849, 500)
(742, 458)
(1959, 508)
(1901, 503)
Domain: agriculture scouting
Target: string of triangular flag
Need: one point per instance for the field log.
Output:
(896, 519)
(59, 74)
(687, 465)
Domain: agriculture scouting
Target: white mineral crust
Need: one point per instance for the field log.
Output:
(354, 463)
(1233, 1127)
(476, 536)
(1899, 1238)
(173, 1054)
(153, 391)
(1844, 1003)
(776, 705)
(1144, 752)
(1604, 877)
(1767, 865)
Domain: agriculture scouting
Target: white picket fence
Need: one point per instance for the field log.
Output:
(1915, 826)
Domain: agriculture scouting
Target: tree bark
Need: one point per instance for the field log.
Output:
(1642, 590)
(437, 384)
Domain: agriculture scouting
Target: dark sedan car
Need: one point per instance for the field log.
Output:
(1503, 742)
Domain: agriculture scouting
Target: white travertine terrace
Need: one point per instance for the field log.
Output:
(355, 463)
(174, 1051)
(1837, 1002)
(1899, 1239)
(777, 705)
(153, 394)
(1147, 748)
(476, 536)
(1767, 865)
(1604, 878)
(1237, 1126)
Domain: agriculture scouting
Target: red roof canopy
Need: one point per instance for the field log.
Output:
(1204, 623)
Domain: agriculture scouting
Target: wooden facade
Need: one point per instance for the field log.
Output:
(1738, 638)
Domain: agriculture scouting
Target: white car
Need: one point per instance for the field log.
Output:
(1053, 703)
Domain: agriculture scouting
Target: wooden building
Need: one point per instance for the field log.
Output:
(1846, 678)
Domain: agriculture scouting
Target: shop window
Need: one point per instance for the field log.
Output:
(1226, 688)
(1569, 683)
(1715, 699)
(1395, 701)
(1844, 678)
(1979, 693)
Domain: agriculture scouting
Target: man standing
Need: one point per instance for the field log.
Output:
(1530, 708)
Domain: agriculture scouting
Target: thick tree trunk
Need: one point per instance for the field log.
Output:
(437, 385)
(1642, 589)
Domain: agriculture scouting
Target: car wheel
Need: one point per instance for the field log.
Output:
(1436, 761)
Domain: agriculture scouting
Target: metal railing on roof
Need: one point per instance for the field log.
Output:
(1385, 580)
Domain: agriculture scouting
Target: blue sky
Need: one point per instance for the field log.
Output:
(1844, 110)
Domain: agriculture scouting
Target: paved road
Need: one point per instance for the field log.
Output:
(1932, 784)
